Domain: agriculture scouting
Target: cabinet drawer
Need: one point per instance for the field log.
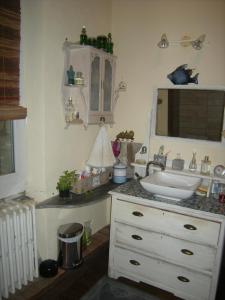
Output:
(183, 282)
(165, 247)
(175, 224)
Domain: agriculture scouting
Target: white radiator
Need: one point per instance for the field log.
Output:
(18, 249)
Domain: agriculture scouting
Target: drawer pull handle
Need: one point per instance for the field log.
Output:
(137, 214)
(187, 252)
(136, 237)
(190, 227)
(134, 262)
(183, 279)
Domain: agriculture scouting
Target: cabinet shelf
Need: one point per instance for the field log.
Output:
(75, 121)
(95, 99)
(75, 85)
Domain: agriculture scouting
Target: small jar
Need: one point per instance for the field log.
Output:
(79, 80)
(119, 173)
(178, 163)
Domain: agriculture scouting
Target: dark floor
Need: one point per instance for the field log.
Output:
(73, 284)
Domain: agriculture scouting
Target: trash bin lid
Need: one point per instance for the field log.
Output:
(70, 230)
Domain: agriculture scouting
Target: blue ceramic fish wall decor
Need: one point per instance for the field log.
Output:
(182, 75)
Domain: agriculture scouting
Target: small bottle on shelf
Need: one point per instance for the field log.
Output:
(206, 166)
(69, 110)
(83, 36)
(70, 75)
(109, 44)
(193, 164)
(79, 80)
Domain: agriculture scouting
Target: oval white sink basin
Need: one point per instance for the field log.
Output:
(170, 186)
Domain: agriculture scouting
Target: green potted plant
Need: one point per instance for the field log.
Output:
(65, 183)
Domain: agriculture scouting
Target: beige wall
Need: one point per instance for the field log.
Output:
(137, 27)
(52, 148)
(49, 220)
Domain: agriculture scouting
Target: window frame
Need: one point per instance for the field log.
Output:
(14, 183)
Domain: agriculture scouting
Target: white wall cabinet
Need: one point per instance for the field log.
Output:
(176, 251)
(95, 99)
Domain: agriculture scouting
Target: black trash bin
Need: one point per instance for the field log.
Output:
(70, 245)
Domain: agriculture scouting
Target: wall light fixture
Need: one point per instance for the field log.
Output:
(197, 44)
(163, 43)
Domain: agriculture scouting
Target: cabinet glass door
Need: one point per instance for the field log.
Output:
(95, 84)
(107, 86)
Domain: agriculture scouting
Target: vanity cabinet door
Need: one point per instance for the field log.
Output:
(165, 247)
(183, 282)
(170, 223)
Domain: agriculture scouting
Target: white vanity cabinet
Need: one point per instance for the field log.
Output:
(173, 248)
(98, 68)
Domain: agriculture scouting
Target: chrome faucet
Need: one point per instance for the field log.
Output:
(156, 163)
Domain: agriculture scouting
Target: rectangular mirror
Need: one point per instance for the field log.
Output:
(190, 113)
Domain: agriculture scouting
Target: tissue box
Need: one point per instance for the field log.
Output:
(90, 183)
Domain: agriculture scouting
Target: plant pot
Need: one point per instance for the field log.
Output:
(64, 194)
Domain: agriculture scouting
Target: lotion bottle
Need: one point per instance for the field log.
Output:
(206, 166)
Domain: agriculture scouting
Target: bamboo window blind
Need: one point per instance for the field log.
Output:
(10, 61)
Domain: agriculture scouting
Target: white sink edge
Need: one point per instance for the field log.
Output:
(163, 190)
(168, 198)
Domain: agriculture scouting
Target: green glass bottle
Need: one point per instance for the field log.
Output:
(83, 36)
(109, 44)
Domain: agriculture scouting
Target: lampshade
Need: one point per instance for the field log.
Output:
(101, 155)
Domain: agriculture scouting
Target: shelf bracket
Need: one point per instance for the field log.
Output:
(122, 87)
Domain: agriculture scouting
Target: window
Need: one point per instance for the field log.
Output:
(7, 164)
(12, 141)
(12, 157)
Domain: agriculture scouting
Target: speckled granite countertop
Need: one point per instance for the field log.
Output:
(75, 200)
(131, 188)
(211, 205)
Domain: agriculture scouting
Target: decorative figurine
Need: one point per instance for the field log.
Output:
(182, 75)
(70, 75)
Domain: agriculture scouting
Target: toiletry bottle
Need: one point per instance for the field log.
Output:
(178, 163)
(193, 164)
(83, 36)
(69, 110)
(206, 166)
